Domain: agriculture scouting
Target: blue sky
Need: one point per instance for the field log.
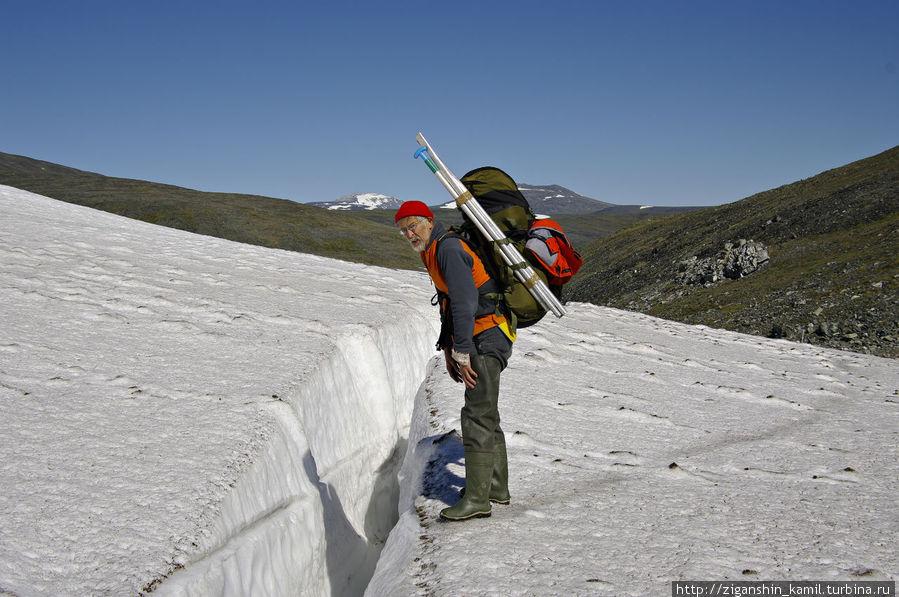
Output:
(664, 103)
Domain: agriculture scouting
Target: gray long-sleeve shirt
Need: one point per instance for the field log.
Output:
(455, 264)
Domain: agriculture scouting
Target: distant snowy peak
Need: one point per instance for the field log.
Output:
(549, 199)
(361, 201)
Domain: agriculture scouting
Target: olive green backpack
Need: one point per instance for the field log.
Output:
(498, 194)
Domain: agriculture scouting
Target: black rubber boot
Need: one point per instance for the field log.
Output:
(475, 503)
(499, 481)
(480, 426)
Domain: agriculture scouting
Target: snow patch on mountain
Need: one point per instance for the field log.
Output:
(361, 201)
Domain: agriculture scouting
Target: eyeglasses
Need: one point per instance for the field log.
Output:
(409, 228)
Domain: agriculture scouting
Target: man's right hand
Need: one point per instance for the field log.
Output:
(451, 366)
(459, 373)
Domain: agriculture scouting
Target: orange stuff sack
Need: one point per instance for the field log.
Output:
(549, 245)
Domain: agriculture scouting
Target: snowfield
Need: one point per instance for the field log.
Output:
(193, 416)
(178, 408)
(643, 451)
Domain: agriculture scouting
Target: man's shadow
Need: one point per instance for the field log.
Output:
(439, 482)
(348, 556)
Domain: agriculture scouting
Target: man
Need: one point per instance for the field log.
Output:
(476, 342)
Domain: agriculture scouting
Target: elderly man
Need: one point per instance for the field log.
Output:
(477, 343)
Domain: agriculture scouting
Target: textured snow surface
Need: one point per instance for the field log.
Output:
(177, 403)
(644, 451)
(201, 417)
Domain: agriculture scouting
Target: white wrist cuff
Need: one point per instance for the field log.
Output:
(463, 359)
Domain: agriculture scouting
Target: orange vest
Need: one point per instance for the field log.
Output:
(478, 274)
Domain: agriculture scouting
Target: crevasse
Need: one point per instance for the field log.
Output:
(312, 512)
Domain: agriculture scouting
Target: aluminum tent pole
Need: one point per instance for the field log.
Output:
(488, 228)
(491, 231)
(485, 224)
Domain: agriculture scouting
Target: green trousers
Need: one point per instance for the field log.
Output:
(486, 467)
(486, 479)
(480, 415)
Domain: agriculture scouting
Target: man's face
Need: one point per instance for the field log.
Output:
(416, 231)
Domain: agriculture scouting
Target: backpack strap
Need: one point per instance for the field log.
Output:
(491, 299)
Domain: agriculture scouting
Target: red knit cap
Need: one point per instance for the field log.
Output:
(413, 208)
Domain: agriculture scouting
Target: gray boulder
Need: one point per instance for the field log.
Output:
(734, 262)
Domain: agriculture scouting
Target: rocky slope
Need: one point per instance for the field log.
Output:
(832, 272)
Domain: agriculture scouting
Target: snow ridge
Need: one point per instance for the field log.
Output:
(307, 517)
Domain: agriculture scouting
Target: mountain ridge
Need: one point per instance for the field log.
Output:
(252, 219)
(365, 235)
(555, 199)
(832, 239)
